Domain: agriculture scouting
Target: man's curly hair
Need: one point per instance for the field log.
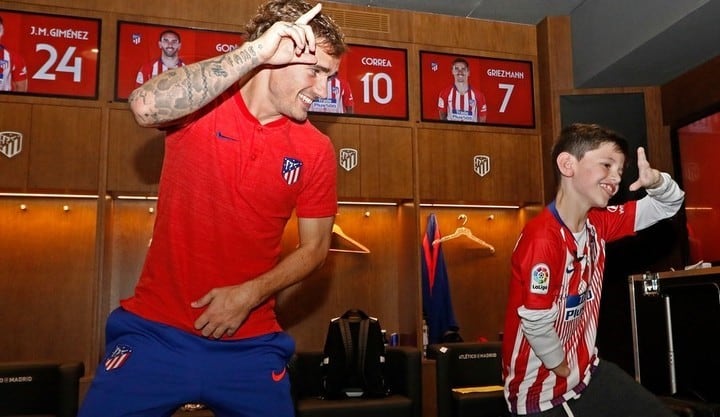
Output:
(328, 34)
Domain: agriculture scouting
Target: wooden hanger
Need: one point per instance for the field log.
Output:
(360, 247)
(464, 231)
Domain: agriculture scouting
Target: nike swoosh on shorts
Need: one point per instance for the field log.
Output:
(277, 376)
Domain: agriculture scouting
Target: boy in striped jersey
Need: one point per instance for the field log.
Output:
(550, 361)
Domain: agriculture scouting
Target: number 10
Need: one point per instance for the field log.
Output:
(371, 82)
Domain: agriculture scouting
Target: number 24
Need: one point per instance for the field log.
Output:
(44, 73)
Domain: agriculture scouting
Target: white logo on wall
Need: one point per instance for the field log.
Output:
(691, 172)
(10, 143)
(481, 165)
(348, 158)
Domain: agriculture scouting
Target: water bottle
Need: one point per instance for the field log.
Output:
(425, 337)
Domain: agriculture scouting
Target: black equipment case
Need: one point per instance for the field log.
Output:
(675, 319)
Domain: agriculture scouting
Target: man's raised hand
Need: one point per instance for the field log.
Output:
(289, 42)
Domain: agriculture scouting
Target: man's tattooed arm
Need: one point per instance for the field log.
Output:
(174, 94)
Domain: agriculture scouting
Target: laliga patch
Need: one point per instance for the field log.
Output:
(539, 279)
(118, 357)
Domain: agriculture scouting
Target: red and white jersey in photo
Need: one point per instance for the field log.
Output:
(152, 69)
(339, 97)
(554, 296)
(570, 280)
(462, 107)
(12, 69)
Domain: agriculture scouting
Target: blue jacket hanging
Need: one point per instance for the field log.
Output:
(437, 304)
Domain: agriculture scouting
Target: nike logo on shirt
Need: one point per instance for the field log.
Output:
(220, 136)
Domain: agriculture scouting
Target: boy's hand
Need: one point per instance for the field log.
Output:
(648, 177)
(562, 370)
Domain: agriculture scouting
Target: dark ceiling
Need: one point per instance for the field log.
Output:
(616, 43)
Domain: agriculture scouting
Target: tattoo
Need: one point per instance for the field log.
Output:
(251, 56)
(244, 56)
(255, 60)
(188, 88)
(179, 92)
(219, 71)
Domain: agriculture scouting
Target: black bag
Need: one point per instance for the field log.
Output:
(353, 362)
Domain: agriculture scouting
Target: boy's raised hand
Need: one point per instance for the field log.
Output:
(648, 177)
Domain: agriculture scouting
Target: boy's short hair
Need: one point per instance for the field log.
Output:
(579, 138)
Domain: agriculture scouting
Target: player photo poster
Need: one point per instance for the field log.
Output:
(144, 50)
(44, 54)
(371, 82)
(475, 90)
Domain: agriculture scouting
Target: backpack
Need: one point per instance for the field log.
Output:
(353, 363)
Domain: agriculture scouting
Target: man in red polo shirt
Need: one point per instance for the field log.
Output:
(240, 158)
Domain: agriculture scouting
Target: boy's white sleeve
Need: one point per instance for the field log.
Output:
(537, 326)
(660, 203)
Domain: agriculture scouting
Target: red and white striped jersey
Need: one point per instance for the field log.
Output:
(339, 97)
(152, 69)
(462, 107)
(554, 297)
(12, 69)
(568, 282)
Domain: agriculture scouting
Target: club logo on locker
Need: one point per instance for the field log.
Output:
(348, 158)
(481, 165)
(10, 143)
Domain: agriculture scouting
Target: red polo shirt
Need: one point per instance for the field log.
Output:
(227, 189)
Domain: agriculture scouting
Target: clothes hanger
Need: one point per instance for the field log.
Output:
(464, 231)
(360, 247)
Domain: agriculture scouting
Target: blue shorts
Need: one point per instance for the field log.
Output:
(151, 369)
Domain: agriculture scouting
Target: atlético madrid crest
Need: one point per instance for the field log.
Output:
(348, 158)
(10, 143)
(481, 165)
(117, 358)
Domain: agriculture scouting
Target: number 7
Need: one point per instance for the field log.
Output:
(508, 92)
